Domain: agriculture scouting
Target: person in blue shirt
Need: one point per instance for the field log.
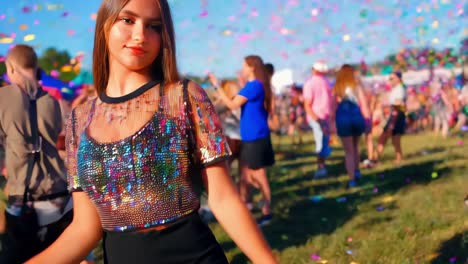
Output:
(255, 101)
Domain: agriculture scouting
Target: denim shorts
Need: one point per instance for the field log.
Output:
(349, 120)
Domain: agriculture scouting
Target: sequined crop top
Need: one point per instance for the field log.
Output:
(130, 154)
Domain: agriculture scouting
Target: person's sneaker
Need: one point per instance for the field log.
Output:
(321, 173)
(352, 184)
(357, 175)
(369, 163)
(265, 220)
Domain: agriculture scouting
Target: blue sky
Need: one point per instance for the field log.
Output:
(214, 35)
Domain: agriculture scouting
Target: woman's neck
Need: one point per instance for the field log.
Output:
(122, 81)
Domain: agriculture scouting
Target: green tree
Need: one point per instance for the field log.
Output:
(2, 69)
(53, 59)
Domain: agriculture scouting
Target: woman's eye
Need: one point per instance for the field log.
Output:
(156, 27)
(126, 20)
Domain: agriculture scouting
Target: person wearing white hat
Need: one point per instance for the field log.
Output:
(317, 104)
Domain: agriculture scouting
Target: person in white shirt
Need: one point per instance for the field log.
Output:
(396, 122)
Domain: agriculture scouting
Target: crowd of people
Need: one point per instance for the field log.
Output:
(142, 144)
(438, 105)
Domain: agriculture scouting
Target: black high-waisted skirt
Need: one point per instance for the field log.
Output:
(187, 241)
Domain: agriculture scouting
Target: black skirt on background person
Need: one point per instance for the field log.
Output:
(258, 153)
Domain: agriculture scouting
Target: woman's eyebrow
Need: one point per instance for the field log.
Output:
(133, 14)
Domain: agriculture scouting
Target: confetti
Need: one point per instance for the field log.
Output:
(350, 239)
(315, 257)
(349, 252)
(316, 198)
(6, 40)
(29, 37)
(26, 9)
(434, 175)
(375, 190)
(341, 199)
(380, 208)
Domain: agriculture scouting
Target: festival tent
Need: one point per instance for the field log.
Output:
(84, 77)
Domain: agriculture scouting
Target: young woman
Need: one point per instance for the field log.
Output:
(137, 153)
(351, 113)
(396, 123)
(256, 151)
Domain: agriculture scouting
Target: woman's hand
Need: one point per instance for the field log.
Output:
(213, 80)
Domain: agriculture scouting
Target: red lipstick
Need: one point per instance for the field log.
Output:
(136, 51)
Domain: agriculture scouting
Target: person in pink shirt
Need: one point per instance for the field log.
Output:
(318, 105)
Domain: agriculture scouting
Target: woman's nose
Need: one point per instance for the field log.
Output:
(138, 33)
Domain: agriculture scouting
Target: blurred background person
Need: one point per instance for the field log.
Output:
(318, 108)
(396, 123)
(255, 99)
(351, 112)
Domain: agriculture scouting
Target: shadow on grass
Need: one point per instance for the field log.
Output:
(454, 250)
(298, 219)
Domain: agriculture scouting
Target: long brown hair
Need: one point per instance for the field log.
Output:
(345, 78)
(261, 75)
(165, 65)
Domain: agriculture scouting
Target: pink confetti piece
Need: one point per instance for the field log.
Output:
(254, 13)
(2, 16)
(26, 9)
(36, 22)
(376, 190)
(350, 239)
(204, 13)
(54, 73)
(315, 257)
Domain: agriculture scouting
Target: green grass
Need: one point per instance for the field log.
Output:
(422, 221)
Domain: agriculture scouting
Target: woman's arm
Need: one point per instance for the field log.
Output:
(233, 215)
(80, 237)
(366, 112)
(234, 103)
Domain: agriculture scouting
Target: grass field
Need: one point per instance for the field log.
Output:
(411, 214)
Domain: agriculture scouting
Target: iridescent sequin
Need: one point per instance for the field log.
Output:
(144, 180)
